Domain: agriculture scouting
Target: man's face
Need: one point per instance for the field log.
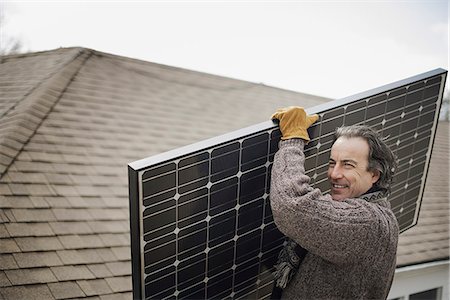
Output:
(347, 171)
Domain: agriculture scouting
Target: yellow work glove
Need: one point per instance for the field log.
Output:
(294, 122)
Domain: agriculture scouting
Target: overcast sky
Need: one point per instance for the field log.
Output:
(327, 48)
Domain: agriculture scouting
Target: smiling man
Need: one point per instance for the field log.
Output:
(349, 172)
(341, 245)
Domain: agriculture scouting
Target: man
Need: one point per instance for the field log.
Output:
(350, 236)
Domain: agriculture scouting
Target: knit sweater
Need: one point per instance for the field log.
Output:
(351, 244)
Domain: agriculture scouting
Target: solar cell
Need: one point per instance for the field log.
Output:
(201, 224)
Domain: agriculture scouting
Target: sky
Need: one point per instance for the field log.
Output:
(327, 48)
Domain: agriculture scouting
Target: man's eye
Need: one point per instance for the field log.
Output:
(349, 165)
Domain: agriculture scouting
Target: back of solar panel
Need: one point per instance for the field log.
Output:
(201, 224)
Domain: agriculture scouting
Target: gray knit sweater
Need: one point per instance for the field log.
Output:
(351, 244)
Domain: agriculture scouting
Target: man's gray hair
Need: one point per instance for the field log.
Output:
(381, 157)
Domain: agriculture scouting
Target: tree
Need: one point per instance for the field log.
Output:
(8, 44)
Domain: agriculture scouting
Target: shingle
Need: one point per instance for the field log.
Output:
(119, 284)
(81, 241)
(39, 202)
(90, 191)
(71, 241)
(120, 191)
(3, 232)
(37, 259)
(115, 239)
(108, 213)
(40, 190)
(99, 270)
(107, 227)
(59, 179)
(45, 156)
(6, 216)
(80, 179)
(76, 227)
(71, 214)
(64, 290)
(71, 168)
(23, 177)
(65, 273)
(119, 268)
(117, 296)
(95, 191)
(65, 190)
(29, 229)
(86, 202)
(70, 257)
(106, 254)
(36, 167)
(30, 276)
(18, 189)
(8, 246)
(56, 202)
(33, 215)
(16, 202)
(76, 159)
(91, 255)
(92, 240)
(4, 281)
(115, 202)
(93, 202)
(107, 170)
(38, 243)
(7, 262)
(94, 287)
(4, 189)
(122, 253)
(102, 180)
(28, 292)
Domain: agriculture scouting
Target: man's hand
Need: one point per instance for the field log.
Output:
(294, 122)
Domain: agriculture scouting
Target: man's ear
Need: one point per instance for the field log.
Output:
(375, 175)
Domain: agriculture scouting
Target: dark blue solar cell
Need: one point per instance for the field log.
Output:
(159, 184)
(159, 171)
(222, 228)
(252, 185)
(254, 151)
(224, 196)
(220, 258)
(248, 246)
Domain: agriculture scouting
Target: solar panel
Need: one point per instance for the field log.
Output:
(201, 224)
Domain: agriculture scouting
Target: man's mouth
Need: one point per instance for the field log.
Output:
(338, 186)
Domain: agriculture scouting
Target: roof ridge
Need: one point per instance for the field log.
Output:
(237, 83)
(6, 57)
(20, 122)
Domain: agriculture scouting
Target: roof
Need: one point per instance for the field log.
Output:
(429, 240)
(71, 121)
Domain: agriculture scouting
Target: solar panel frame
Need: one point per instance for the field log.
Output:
(201, 158)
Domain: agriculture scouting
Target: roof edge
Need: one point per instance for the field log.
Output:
(21, 122)
(418, 264)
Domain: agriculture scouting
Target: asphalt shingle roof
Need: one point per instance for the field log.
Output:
(71, 121)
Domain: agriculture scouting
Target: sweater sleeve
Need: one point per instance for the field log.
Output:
(338, 231)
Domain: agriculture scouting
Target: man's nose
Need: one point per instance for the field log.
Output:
(336, 172)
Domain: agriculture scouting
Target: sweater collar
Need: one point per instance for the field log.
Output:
(376, 195)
